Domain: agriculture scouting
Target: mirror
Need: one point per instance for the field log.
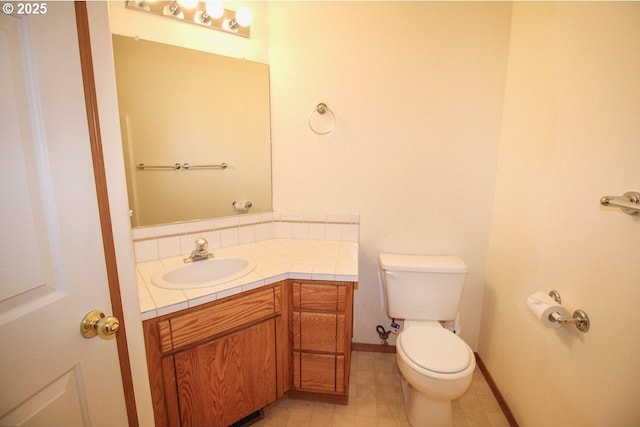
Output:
(195, 131)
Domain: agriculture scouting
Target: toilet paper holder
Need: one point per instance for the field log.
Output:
(580, 318)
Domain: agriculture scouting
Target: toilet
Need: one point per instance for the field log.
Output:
(436, 364)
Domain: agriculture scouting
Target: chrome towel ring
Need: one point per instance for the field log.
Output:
(322, 109)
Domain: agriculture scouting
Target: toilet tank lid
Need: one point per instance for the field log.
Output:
(423, 263)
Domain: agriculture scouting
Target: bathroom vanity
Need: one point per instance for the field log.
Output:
(288, 334)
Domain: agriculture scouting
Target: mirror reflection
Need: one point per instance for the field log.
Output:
(195, 132)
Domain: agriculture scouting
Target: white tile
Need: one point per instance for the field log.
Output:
(267, 216)
(170, 295)
(251, 279)
(249, 219)
(346, 268)
(147, 308)
(323, 276)
(228, 237)
(299, 276)
(343, 218)
(170, 229)
(199, 226)
(188, 243)
(146, 269)
(230, 291)
(213, 238)
(283, 230)
(350, 232)
(275, 279)
(317, 231)
(143, 292)
(170, 302)
(325, 267)
(142, 233)
(226, 222)
(200, 296)
(299, 230)
(145, 250)
(173, 308)
(291, 216)
(146, 315)
(315, 217)
(169, 246)
(246, 234)
(345, 277)
(333, 231)
(268, 269)
(253, 285)
(263, 231)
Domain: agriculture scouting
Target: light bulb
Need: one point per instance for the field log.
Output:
(215, 8)
(244, 17)
(189, 4)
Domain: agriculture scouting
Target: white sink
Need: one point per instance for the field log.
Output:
(199, 274)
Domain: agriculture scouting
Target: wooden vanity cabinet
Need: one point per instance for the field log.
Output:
(214, 364)
(203, 365)
(321, 323)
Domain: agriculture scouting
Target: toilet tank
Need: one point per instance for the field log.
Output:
(422, 287)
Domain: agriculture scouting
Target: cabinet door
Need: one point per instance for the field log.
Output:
(223, 381)
(314, 372)
(319, 372)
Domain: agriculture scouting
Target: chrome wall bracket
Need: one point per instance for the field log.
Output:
(556, 296)
(629, 202)
(580, 318)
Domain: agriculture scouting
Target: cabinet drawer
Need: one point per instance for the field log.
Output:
(318, 331)
(218, 318)
(318, 372)
(322, 297)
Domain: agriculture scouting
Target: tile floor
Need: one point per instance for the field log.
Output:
(376, 400)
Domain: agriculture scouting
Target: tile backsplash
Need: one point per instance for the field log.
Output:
(161, 241)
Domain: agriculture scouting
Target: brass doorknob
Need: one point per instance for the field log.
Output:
(95, 323)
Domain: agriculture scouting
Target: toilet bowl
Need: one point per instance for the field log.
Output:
(437, 367)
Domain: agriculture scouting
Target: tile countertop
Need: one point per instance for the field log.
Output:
(276, 260)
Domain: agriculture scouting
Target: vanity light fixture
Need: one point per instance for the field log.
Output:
(211, 14)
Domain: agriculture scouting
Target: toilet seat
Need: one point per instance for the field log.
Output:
(435, 349)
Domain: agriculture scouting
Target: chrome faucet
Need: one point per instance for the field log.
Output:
(200, 253)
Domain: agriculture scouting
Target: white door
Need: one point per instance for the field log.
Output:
(52, 268)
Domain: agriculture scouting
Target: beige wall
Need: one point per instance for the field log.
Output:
(571, 134)
(417, 91)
